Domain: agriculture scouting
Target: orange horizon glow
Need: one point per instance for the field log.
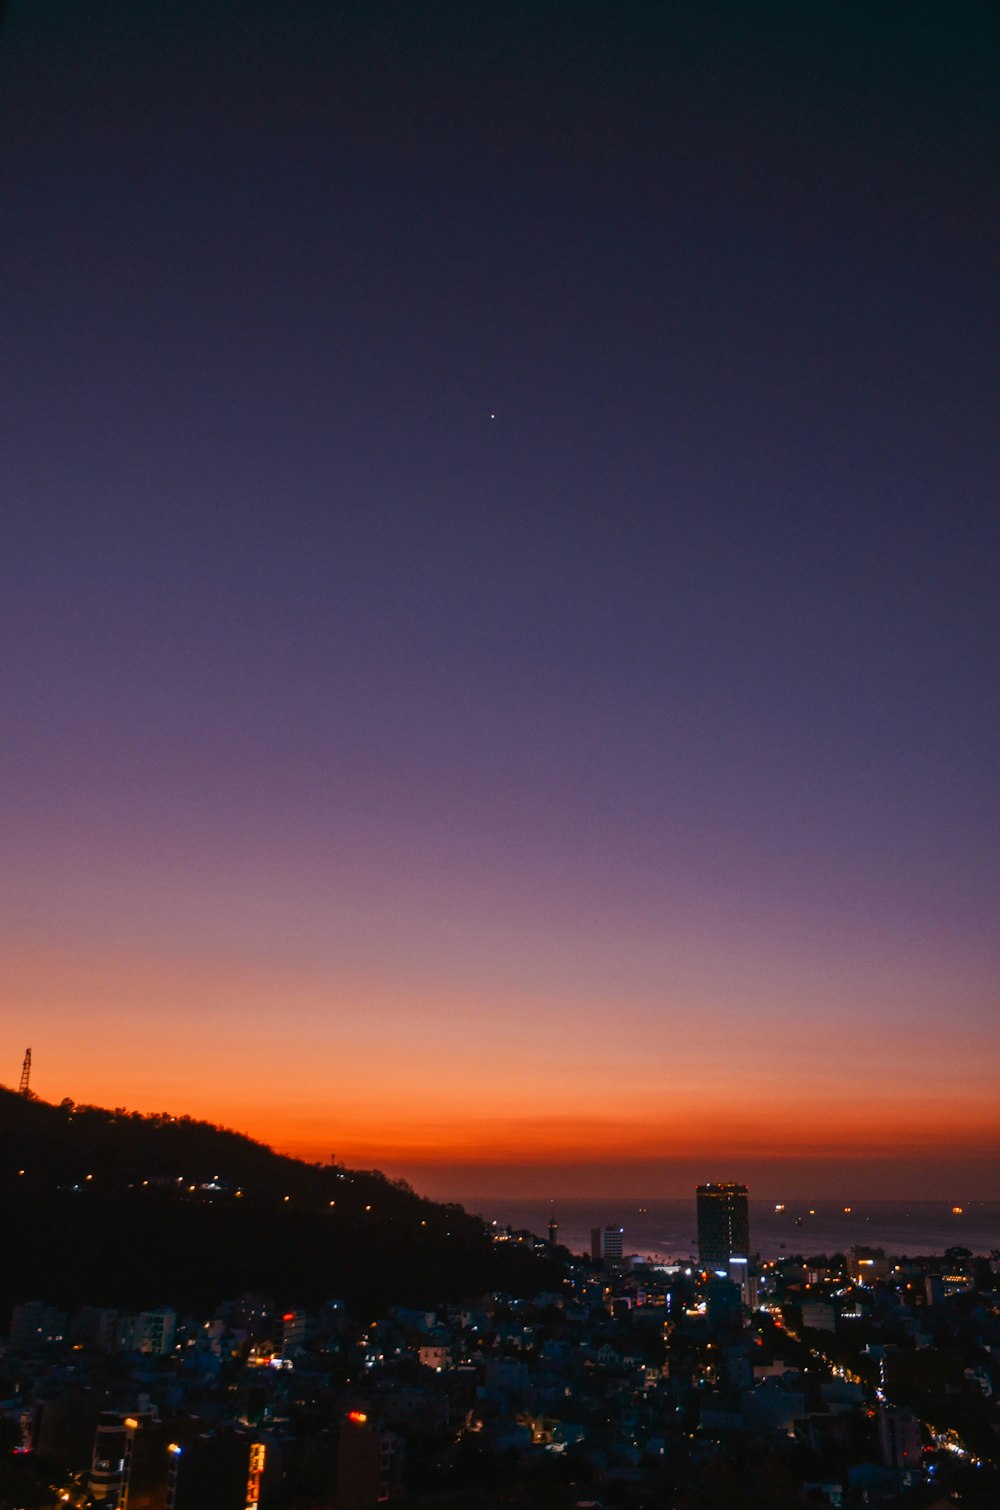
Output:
(553, 1076)
(403, 1111)
(458, 1147)
(512, 1160)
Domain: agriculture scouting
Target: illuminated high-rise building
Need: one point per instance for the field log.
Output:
(723, 1225)
(128, 1458)
(607, 1244)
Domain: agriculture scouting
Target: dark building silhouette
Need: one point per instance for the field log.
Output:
(370, 1464)
(65, 1424)
(723, 1224)
(900, 1438)
(217, 1471)
(723, 1305)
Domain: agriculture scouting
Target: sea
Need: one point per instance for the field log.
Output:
(667, 1229)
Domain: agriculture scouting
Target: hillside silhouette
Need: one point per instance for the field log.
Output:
(120, 1208)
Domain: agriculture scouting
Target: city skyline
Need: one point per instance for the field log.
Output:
(499, 569)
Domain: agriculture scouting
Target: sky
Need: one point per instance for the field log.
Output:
(498, 585)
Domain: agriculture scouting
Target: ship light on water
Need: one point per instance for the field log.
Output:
(780, 1206)
(957, 1210)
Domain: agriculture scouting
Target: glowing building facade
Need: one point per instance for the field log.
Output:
(723, 1225)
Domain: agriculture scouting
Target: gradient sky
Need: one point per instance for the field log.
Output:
(500, 584)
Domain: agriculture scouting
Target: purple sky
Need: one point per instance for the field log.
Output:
(638, 743)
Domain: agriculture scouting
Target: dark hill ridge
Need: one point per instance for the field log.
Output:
(119, 1208)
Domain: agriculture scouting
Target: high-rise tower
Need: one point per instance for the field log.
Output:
(607, 1244)
(723, 1224)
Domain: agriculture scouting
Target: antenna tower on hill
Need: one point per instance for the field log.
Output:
(25, 1074)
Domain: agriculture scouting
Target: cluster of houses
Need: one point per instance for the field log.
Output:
(842, 1381)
